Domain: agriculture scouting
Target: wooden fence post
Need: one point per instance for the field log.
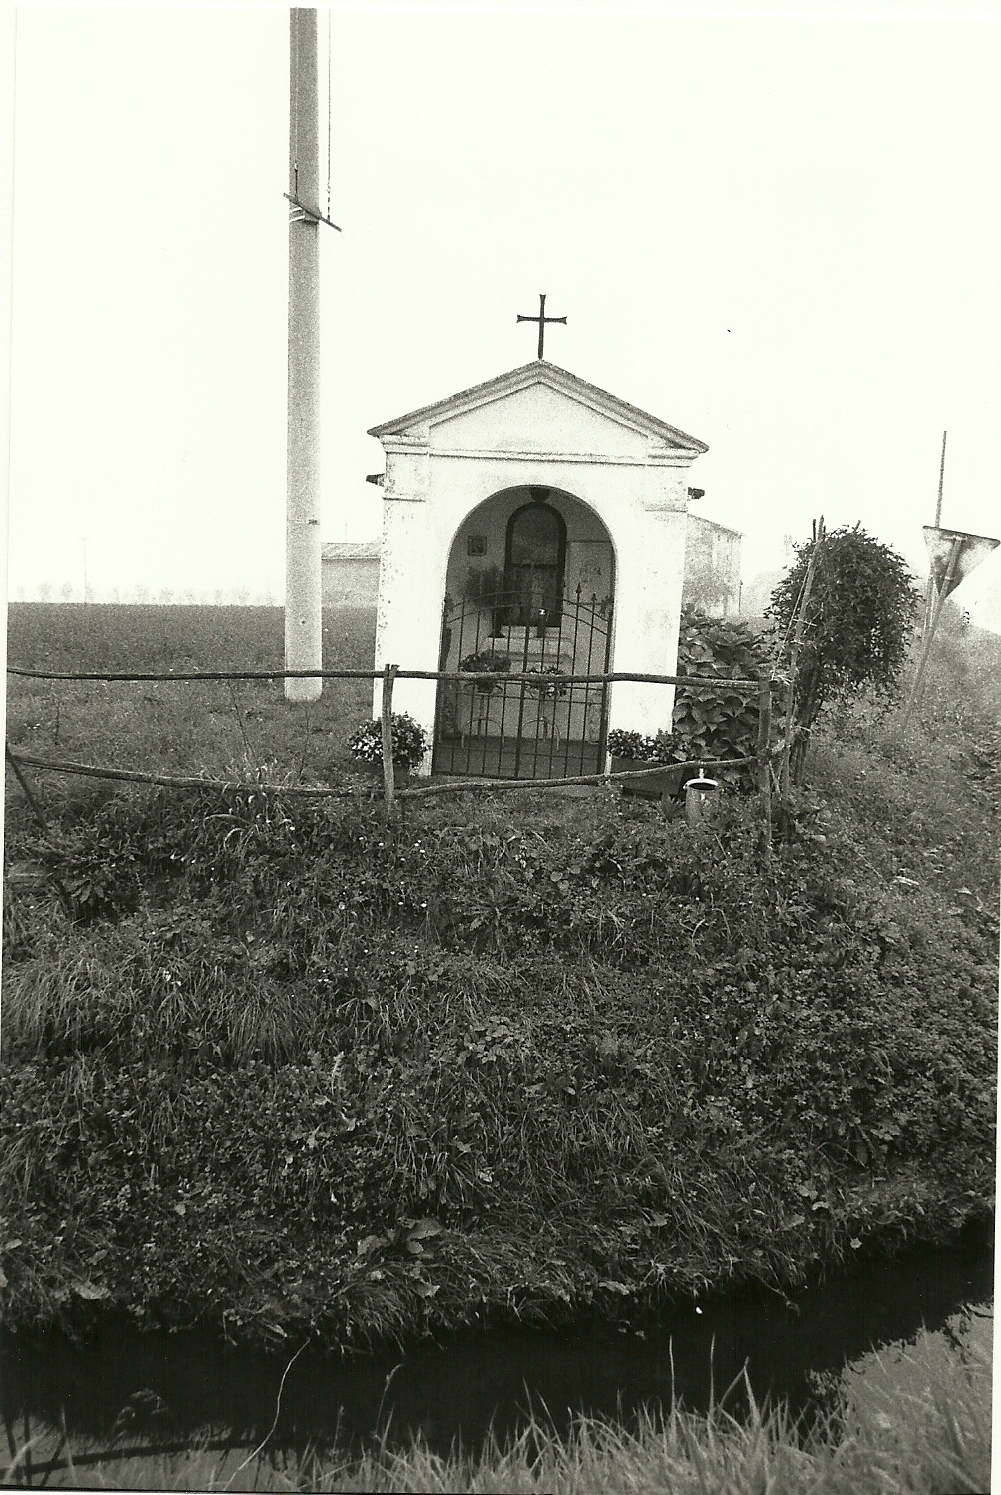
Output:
(764, 759)
(388, 676)
(39, 814)
(797, 623)
(26, 789)
(790, 728)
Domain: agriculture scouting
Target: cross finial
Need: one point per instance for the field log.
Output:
(542, 319)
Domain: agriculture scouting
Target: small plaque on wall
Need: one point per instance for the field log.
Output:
(476, 544)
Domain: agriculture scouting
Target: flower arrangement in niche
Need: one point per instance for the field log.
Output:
(486, 661)
(410, 741)
(484, 586)
(552, 681)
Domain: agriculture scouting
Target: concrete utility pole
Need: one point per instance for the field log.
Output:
(303, 585)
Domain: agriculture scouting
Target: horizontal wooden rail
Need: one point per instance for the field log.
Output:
(112, 1455)
(172, 781)
(443, 786)
(532, 678)
(466, 677)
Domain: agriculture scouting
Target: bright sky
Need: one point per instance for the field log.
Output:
(780, 232)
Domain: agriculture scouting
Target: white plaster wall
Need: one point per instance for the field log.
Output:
(643, 509)
(411, 590)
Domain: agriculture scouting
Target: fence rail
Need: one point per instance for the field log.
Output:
(194, 781)
(762, 758)
(700, 681)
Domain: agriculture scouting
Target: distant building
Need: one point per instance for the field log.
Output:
(351, 574)
(712, 567)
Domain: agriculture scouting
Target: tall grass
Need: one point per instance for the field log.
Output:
(910, 1418)
(922, 798)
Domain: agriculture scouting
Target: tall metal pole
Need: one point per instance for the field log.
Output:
(930, 590)
(303, 584)
(941, 480)
(942, 593)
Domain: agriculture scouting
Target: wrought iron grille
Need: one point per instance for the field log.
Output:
(519, 730)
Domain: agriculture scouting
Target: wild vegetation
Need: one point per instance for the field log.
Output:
(290, 1067)
(914, 1417)
(847, 608)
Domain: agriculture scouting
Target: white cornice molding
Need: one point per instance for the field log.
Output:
(518, 454)
(413, 446)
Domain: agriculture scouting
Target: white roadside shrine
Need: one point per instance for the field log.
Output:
(575, 503)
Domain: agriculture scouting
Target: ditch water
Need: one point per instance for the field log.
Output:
(119, 1385)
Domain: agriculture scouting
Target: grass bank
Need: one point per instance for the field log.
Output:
(914, 1417)
(288, 1068)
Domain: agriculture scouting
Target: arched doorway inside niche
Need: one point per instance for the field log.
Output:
(530, 589)
(535, 546)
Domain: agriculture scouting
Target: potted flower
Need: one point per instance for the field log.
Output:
(551, 683)
(410, 743)
(639, 750)
(486, 661)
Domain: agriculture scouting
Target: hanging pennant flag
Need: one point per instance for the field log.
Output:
(954, 554)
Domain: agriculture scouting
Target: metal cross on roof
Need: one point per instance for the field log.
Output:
(542, 319)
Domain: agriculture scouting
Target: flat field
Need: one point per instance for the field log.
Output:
(187, 727)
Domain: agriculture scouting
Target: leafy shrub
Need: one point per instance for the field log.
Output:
(718, 722)
(410, 741)
(858, 620)
(710, 722)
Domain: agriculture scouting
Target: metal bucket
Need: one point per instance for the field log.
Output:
(701, 798)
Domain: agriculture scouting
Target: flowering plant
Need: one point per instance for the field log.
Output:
(487, 661)
(647, 749)
(410, 741)
(551, 684)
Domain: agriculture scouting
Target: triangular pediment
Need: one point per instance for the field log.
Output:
(538, 407)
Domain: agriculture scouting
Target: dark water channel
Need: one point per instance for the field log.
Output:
(457, 1386)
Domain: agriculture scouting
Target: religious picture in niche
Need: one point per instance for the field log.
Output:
(536, 550)
(476, 544)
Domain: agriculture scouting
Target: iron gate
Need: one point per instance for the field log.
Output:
(515, 730)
